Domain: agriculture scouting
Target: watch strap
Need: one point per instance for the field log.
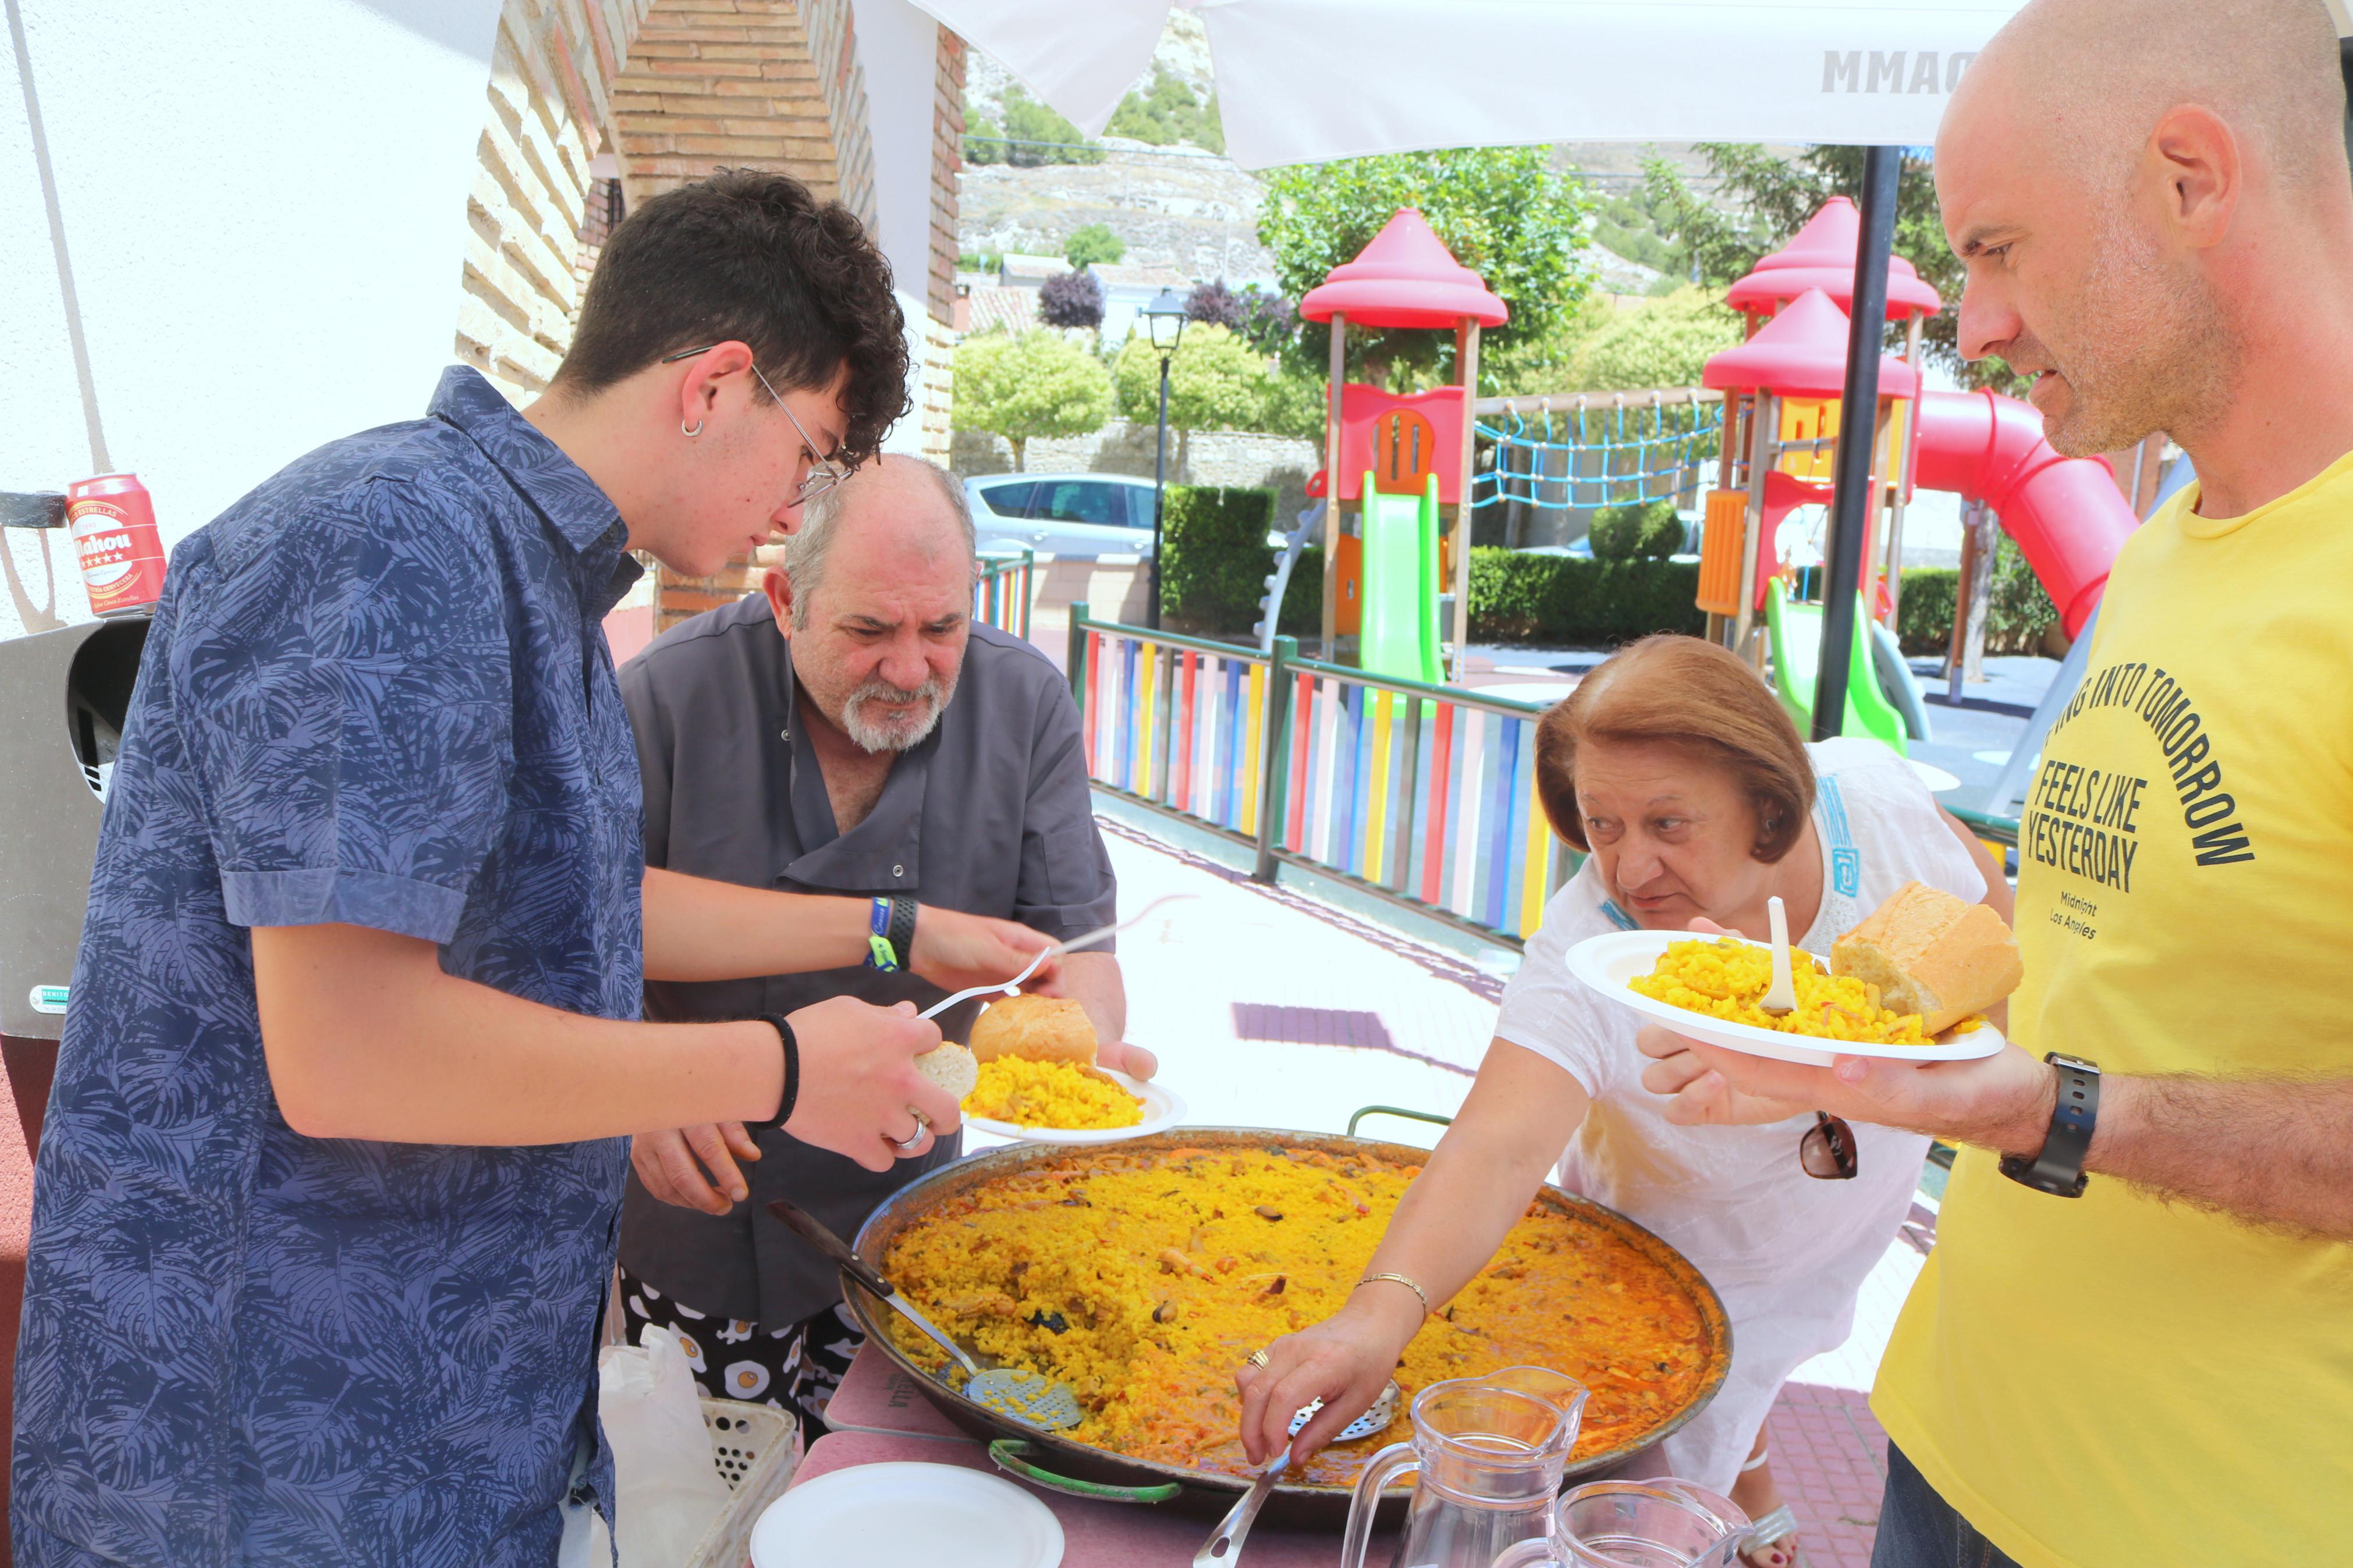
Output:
(2059, 1168)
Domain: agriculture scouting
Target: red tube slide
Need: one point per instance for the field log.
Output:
(2066, 513)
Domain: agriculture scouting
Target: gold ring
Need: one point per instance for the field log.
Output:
(1258, 1358)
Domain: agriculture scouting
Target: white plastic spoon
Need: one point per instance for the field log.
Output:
(1782, 996)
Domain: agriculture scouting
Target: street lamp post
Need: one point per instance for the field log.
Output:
(1164, 319)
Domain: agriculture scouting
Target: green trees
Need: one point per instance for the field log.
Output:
(1091, 242)
(1038, 383)
(1032, 134)
(1217, 382)
(1166, 112)
(1663, 341)
(1504, 211)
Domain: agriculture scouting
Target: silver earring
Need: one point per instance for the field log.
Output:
(690, 431)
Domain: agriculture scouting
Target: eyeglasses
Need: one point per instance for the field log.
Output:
(824, 472)
(1827, 1150)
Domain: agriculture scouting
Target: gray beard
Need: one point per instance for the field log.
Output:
(899, 735)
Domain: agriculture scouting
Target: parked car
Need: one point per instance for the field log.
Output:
(1064, 514)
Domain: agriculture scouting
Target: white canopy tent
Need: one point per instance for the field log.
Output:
(1308, 80)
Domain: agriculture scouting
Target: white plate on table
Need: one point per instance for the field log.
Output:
(1161, 1110)
(1606, 963)
(901, 1515)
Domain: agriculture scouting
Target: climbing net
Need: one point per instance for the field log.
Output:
(1596, 450)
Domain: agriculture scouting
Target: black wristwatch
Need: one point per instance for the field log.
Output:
(2059, 1169)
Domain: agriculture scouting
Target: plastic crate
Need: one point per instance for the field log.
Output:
(755, 1449)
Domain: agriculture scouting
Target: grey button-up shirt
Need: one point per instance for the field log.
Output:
(990, 814)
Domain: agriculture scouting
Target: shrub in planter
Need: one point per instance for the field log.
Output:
(1559, 599)
(1641, 531)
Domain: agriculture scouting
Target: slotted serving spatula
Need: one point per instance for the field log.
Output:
(1027, 1396)
(1225, 1543)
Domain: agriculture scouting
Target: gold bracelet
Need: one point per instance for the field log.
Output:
(1401, 1279)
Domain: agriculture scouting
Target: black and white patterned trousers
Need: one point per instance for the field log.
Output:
(794, 1368)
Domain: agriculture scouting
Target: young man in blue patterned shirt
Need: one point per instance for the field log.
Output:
(325, 1203)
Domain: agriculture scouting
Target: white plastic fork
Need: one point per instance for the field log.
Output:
(1782, 996)
(1007, 987)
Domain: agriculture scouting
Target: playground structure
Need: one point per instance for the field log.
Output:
(1400, 458)
(1783, 387)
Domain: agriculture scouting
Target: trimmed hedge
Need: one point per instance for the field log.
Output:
(1559, 600)
(1214, 557)
(1641, 531)
(2017, 615)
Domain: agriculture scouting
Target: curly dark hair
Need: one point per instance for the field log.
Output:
(753, 257)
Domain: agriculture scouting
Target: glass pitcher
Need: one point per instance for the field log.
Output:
(1663, 1523)
(1490, 1451)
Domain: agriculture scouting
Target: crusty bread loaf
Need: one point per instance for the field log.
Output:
(1038, 1028)
(951, 1066)
(1930, 953)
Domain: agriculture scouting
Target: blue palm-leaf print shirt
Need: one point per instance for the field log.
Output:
(375, 692)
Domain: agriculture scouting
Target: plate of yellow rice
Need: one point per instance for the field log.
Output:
(1708, 987)
(1061, 1102)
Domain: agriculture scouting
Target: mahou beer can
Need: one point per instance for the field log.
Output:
(113, 527)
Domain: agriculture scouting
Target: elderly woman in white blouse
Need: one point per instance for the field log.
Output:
(1678, 770)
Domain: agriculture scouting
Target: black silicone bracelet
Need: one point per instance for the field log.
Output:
(2058, 1170)
(792, 1072)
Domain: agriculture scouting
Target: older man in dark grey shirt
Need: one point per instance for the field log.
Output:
(849, 731)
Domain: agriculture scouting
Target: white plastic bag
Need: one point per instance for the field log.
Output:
(670, 1491)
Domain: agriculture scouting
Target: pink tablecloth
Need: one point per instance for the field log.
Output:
(880, 1415)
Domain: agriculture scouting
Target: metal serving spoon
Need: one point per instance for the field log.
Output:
(1026, 1396)
(1009, 986)
(1227, 1540)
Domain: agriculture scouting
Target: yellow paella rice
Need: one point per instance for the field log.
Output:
(1145, 1279)
(1725, 979)
(1051, 1094)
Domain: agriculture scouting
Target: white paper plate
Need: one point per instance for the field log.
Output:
(1606, 963)
(898, 1515)
(1161, 1110)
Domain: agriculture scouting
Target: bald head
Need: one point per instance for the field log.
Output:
(2098, 75)
(917, 508)
(2145, 192)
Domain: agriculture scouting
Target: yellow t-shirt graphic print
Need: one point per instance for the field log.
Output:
(2117, 1382)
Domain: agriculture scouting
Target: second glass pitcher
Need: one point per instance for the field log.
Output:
(1665, 1524)
(1489, 1452)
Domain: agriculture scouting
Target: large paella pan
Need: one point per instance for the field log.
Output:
(1144, 1273)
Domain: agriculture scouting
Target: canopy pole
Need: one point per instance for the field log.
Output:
(1331, 645)
(1858, 431)
(1466, 360)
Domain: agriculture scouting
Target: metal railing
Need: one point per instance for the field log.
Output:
(1423, 795)
(1001, 591)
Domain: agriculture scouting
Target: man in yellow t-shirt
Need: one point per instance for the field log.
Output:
(2153, 200)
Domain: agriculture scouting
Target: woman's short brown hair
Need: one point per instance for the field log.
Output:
(1680, 691)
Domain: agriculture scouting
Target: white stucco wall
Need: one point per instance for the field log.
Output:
(263, 204)
(898, 50)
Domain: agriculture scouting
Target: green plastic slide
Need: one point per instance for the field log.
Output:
(1399, 635)
(1797, 639)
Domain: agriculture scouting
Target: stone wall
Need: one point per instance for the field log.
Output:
(1280, 463)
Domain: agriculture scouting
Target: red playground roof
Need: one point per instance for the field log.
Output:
(1405, 278)
(1802, 352)
(1822, 256)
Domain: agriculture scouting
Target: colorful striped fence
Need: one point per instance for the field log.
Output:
(1001, 588)
(1424, 794)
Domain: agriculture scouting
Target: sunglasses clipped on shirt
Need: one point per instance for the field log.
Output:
(1827, 1150)
(824, 472)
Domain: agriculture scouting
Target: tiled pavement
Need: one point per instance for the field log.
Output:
(1268, 1008)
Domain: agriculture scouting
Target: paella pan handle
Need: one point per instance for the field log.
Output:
(1007, 1455)
(813, 1231)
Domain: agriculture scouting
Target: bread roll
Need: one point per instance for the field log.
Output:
(1037, 1028)
(1930, 953)
(951, 1066)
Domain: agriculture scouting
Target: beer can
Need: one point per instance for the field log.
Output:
(121, 555)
